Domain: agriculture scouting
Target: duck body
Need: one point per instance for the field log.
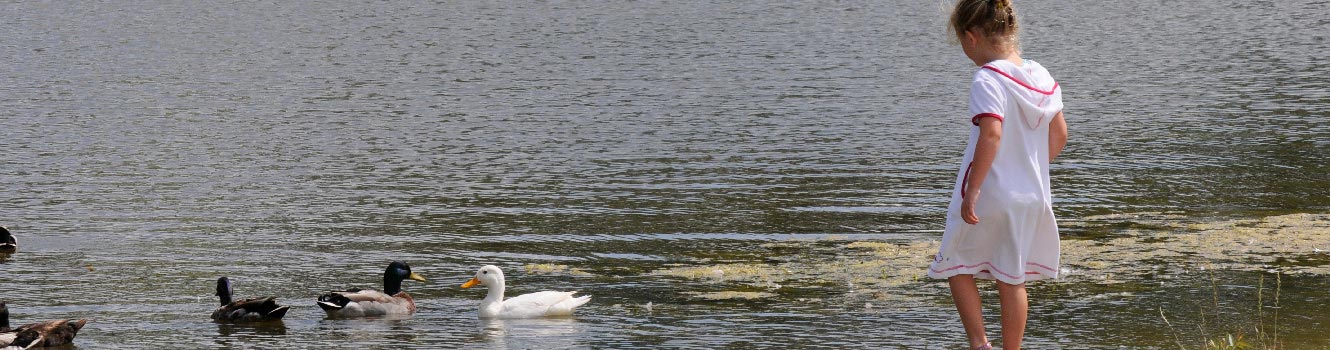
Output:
(532, 305)
(8, 245)
(366, 303)
(247, 310)
(42, 334)
(251, 310)
(37, 335)
(391, 301)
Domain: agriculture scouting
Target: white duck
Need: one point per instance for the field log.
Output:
(533, 305)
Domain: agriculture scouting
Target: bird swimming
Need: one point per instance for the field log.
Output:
(368, 302)
(247, 310)
(532, 305)
(37, 335)
(8, 245)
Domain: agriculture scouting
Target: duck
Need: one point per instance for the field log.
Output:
(37, 335)
(392, 301)
(533, 305)
(247, 310)
(8, 245)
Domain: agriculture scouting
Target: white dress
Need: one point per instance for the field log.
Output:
(1016, 239)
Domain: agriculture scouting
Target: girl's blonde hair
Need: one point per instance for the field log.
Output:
(995, 19)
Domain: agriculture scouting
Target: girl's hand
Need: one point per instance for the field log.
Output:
(985, 150)
(967, 207)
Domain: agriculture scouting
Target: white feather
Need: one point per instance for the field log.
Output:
(6, 339)
(533, 305)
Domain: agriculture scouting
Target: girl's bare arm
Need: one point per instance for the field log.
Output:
(990, 136)
(1057, 136)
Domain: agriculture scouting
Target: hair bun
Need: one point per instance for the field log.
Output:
(994, 18)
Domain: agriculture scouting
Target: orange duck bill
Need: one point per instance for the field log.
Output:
(472, 283)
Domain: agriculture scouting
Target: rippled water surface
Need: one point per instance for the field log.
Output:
(150, 147)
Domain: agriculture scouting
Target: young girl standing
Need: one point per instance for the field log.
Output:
(1000, 222)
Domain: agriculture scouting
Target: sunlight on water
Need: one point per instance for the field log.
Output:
(763, 175)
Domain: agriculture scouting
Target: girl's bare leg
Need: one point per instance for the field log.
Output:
(1015, 309)
(966, 294)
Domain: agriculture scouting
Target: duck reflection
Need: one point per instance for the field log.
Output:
(255, 328)
(8, 245)
(397, 328)
(548, 333)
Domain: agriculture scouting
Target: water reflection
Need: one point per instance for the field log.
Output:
(257, 328)
(397, 328)
(549, 333)
(616, 137)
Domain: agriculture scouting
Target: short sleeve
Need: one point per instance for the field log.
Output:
(986, 99)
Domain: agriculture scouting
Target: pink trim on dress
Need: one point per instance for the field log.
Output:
(976, 117)
(992, 268)
(1040, 265)
(1027, 86)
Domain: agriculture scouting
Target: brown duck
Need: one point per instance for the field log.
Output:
(247, 310)
(37, 335)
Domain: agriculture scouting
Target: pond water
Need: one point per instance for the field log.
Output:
(782, 149)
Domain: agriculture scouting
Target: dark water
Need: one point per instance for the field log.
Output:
(298, 146)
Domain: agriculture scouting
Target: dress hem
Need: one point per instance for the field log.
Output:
(986, 270)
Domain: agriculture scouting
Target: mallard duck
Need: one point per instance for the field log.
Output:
(4, 320)
(248, 310)
(538, 304)
(36, 335)
(368, 302)
(8, 245)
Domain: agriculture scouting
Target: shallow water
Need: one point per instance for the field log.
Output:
(299, 147)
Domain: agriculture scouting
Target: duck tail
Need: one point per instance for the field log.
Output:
(278, 313)
(333, 302)
(566, 307)
(578, 301)
(330, 307)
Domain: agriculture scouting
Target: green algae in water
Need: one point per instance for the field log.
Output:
(723, 272)
(1294, 244)
(854, 271)
(728, 295)
(555, 269)
(1160, 247)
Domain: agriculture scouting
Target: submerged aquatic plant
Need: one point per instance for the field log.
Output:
(857, 270)
(1227, 343)
(1170, 246)
(1261, 338)
(554, 269)
(725, 295)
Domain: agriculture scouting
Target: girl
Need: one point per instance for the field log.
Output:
(1000, 222)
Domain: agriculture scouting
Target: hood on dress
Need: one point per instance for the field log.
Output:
(1032, 88)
